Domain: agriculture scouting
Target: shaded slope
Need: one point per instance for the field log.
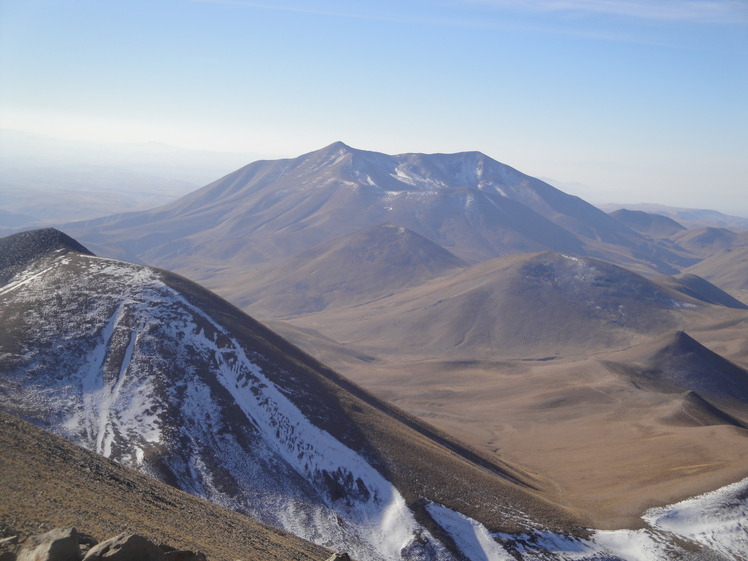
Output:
(694, 410)
(727, 269)
(353, 269)
(48, 481)
(18, 250)
(649, 224)
(679, 363)
(701, 289)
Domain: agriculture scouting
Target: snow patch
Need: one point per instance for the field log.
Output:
(472, 538)
(718, 520)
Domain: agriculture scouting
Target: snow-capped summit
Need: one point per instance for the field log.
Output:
(267, 211)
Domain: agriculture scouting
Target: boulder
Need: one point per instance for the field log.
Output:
(125, 547)
(177, 555)
(60, 544)
(8, 548)
(340, 556)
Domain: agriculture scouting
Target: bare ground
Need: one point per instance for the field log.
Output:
(47, 482)
(611, 449)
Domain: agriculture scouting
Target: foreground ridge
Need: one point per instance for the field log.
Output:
(148, 369)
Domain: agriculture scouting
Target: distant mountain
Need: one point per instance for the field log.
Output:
(678, 363)
(155, 372)
(688, 217)
(350, 270)
(649, 224)
(701, 289)
(727, 269)
(475, 207)
(525, 305)
(694, 410)
(707, 240)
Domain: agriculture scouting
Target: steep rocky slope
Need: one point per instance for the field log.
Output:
(151, 370)
(48, 481)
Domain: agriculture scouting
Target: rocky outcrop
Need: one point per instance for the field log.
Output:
(67, 544)
(8, 548)
(60, 544)
(125, 547)
(171, 554)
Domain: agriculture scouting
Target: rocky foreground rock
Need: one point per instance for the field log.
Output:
(67, 544)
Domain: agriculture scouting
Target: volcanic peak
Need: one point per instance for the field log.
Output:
(17, 250)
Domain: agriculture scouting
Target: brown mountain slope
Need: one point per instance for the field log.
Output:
(700, 289)
(651, 225)
(727, 269)
(612, 446)
(707, 241)
(612, 449)
(517, 306)
(677, 362)
(47, 481)
(357, 268)
(418, 458)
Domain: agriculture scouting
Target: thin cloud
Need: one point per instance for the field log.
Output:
(713, 11)
(299, 7)
(455, 13)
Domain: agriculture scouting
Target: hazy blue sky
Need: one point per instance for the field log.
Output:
(643, 100)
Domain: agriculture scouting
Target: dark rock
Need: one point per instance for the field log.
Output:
(184, 556)
(60, 544)
(340, 556)
(8, 548)
(125, 547)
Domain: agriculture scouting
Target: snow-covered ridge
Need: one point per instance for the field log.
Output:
(108, 400)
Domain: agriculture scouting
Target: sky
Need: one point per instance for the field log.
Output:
(620, 101)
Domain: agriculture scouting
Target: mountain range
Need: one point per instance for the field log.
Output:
(562, 368)
(474, 206)
(426, 277)
(149, 369)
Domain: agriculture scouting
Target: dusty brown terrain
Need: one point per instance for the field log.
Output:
(546, 364)
(612, 442)
(612, 450)
(47, 482)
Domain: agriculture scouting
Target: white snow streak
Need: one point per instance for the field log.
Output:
(471, 537)
(718, 520)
